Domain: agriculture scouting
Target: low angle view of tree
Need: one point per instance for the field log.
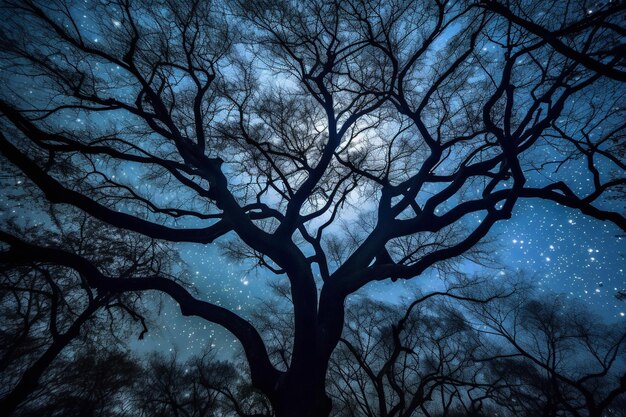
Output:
(553, 358)
(508, 353)
(201, 386)
(51, 315)
(329, 147)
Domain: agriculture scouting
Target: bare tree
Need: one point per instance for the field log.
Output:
(497, 350)
(49, 313)
(89, 382)
(200, 386)
(551, 357)
(333, 143)
(413, 359)
(401, 366)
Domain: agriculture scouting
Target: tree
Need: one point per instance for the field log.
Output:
(392, 364)
(551, 356)
(89, 383)
(49, 314)
(333, 143)
(422, 358)
(478, 350)
(200, 386)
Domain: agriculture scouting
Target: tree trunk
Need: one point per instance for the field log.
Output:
(301, 391)
(302, 397)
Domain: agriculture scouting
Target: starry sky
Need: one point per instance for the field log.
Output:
(563, 250)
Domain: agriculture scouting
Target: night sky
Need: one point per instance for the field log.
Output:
(564, 250)
(567, 252)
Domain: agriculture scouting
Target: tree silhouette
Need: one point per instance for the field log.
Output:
(509, 353)
(418, 358)
(334, 143)
(50, 315)
(200, 386)
(90, 383)
(401, 365)
(552, 357)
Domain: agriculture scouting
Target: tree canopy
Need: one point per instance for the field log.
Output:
(333, 143)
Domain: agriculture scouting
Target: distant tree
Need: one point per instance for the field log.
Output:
(49, 315)
(391, 365)
(90, 383)
(501, 350)
(551, 357)
(410, 359)
(331, 143)
(201, 386)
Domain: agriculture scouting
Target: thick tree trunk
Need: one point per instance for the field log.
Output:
(301, 392)
(302, 397)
